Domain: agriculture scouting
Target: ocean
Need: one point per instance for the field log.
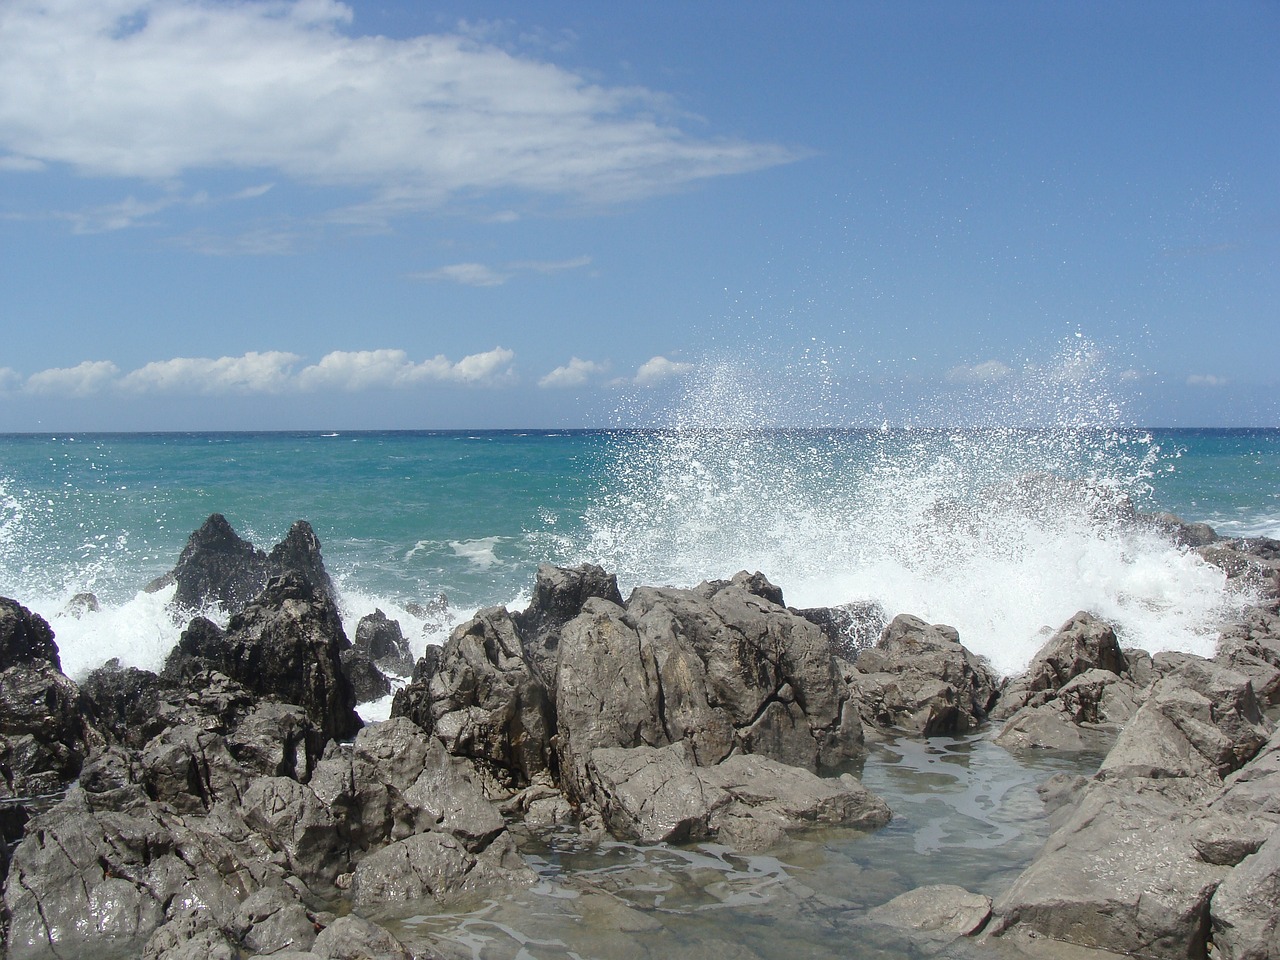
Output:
(1004, 533)
(950, 525)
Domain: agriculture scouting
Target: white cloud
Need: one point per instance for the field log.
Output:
(160, 88)
(483, 275)
(252, 373)
(89, 377)
(573, 374)
(366, 369)
(468, 274)
(1206, 380)
(11, 164)
(657, 369)
(10, 379)
(268, 373)
(989, 371)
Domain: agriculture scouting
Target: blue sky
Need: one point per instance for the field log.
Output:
(310, 214)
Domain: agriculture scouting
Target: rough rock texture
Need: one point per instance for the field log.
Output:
(1138, 851)
(656, 795)
(1245, 911)
(722, 668)
(368, 683)
(218, 567)
(1083, 643)
(920, 679)
(380, 639)
(25, 637)
(938, 912)
(559, 594)
(849, 627)
(483, 696)
(286, 644)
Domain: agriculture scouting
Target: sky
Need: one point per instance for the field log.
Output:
(395, 214)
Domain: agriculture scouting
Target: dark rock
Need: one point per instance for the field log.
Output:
(918, 677)
(1253, 564)
(286, 644)
(368, 682)
(216, 567)
(1181, 532)
(354, 938)
(299, 552)
(851, 627)
(381, 640)
(274, 921)
(124, 702)
(25, 637)
(43, 736)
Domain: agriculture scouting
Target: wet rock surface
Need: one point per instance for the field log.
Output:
(232, 805)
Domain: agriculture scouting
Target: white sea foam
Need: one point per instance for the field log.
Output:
(1002, 532)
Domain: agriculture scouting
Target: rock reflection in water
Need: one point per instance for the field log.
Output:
(965, 812)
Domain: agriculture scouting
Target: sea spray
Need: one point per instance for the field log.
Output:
(1002, 530)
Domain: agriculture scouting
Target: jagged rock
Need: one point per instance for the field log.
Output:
(218, 567)
(191, 769)
(367, 681)
(1084, 715)
(1201, 721)
(1251, 562)
(1181, 532)
(274, 921)
(124, 702)
(83, 604)
(25, 637)
(1083, 643)
(918, 677)
(483, 697)
(286, 644)
(722, 667)
(558, 596)
(89, 880)
(276, 740)
(850, 627)
(1244, 913)
(381, 639)
(656, 795)
(299, 552)
(43, 736)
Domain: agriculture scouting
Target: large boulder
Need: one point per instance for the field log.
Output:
(485, 698)
(1083, 643)
(919, 678)
(559, 594)
(286, 644)
(380, 639)
(722, 668)
(25, 637)
(1245, 911)
(658, 795)
(218, 568)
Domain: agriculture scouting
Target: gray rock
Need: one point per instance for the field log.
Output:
(434, 866)
(354, 938)
(1120, 874)
(940, 912)
(1083, 716)
(293, 821)
(559, 594)
(919, 678)
(1244, 911)
(381, 639)
(655, 795)
(484, 698)
(273, 922)
(1082, 644)
(367, 681)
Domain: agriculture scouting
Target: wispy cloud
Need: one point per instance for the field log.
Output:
(266, 373)
(467, 274)
(162, 89)
(657, 369)
(1206, 380)
(483, 275)
(575, 373)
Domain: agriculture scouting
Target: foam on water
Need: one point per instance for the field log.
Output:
(1003, 532)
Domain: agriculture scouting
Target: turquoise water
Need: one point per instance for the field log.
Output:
(830, 516)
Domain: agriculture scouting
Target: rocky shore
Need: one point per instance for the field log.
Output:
(234, 805)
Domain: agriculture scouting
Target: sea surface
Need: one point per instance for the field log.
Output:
(960, 527)
(1004, 533)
